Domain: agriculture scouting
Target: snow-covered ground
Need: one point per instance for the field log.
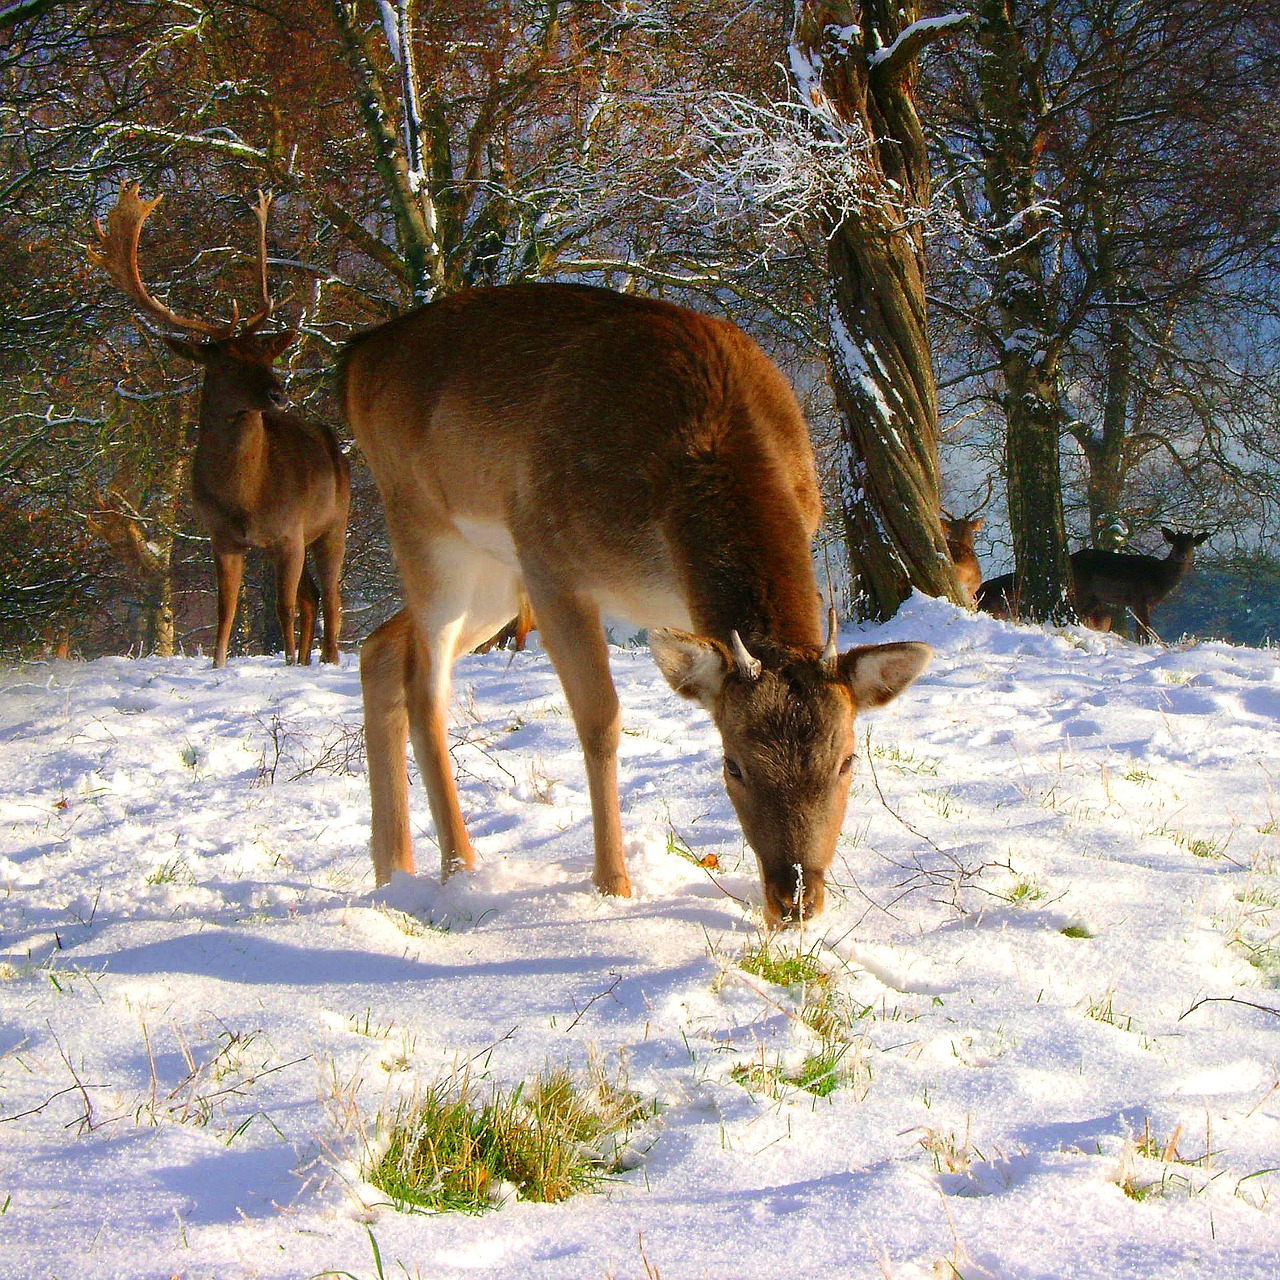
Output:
(1058, 846)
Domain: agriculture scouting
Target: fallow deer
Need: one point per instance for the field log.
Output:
(959, 532)
(262, 477)
(1109, 582)
(601, 452)
(997, 597)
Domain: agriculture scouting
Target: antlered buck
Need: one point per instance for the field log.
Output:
(959, 532)
(602, 453)
(262, 476)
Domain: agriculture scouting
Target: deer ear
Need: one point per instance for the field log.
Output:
(976, 525)
(276, 344)
(196, 352)
(1168, 533)
(1202, 537)
(877, 673)
(694, 666)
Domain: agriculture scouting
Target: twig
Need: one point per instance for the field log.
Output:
(1248, 1004)
(600, 995)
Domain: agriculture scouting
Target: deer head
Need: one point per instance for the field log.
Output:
(1181, 545)
(786, 725)
(237, 359)
(960, 530)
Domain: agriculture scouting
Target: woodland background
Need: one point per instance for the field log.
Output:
(1082, 194)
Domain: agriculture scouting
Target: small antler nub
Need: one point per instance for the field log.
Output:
(746, 664)
(829, 653)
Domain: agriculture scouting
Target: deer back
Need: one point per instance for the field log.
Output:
(655, 453)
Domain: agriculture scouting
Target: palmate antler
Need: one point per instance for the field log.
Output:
(117, 254)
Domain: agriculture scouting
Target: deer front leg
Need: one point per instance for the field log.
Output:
(290, 562)
(387, 659)
(574, 638)
(229, 568)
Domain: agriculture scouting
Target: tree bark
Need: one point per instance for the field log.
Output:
(1029, 356)
(858, 78)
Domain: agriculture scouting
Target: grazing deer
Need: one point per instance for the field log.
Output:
(262, 477)
(601, 452)
(959, 532)
(1109, 582)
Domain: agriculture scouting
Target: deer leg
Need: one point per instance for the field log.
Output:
(290, 562)
(1142, 617)
(308, 600)
(574, 638)
(229, 567)
(329, 550)
(428, 686)
(387, 661)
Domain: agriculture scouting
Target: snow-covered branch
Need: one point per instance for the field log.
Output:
(770, 156)
(891, 61)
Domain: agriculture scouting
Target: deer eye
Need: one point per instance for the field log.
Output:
(731, 768)
(845, 765)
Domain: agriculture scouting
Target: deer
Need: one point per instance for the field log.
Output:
(997, 596)
(1106, 583)
(1109, 582)
(594, 453)
(959, 532)
(262, 476)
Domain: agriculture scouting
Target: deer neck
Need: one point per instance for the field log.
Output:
(1176, 564)
(760, 584)
(230, 448)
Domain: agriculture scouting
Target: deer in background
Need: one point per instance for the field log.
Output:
(997, 597)
(959, 532)
(1109, 582)
(262, 477)
(1106, 583)
(592, 451)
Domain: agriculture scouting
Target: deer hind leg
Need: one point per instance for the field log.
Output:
(308, 601)
(574, 638)
(229, 567)
(387, 669)
(290, 564)
(458, 596)
(330, 548)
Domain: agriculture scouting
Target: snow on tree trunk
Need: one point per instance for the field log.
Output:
(854, 68)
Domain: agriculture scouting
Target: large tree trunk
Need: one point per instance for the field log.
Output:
(1029, 356)
(879, 354)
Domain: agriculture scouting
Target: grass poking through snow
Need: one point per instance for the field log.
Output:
(456, 1148)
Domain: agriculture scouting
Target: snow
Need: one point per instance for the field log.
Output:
(918, 30)
(203, 999)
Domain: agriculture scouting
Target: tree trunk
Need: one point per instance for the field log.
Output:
(879, 353)
(1013, 112)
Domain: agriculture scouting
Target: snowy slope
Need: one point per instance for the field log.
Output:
(1056, 845)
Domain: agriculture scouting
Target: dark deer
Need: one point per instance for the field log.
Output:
(959, 532)
(1109, 582)
(262, 477)
(997, 596)
(601, 452)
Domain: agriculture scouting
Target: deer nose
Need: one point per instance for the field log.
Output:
(781, 911)
(277, 398)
